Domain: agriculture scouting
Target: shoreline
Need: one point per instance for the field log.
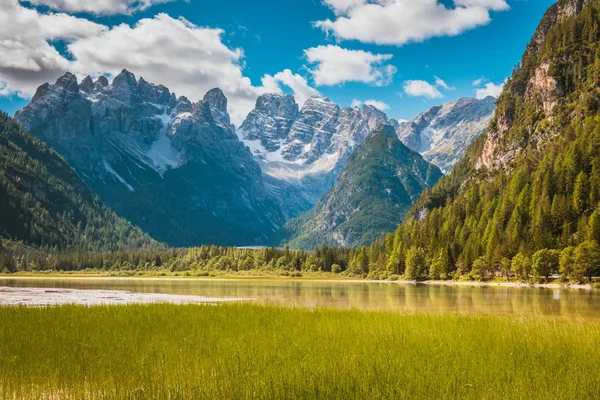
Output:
(94, 277)
(42, 297)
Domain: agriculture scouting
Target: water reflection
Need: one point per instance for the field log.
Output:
(363, 295)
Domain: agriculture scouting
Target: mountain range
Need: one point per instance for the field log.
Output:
(174, 168)
(184, 174)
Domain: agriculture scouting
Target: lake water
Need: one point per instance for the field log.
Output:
(363, 295)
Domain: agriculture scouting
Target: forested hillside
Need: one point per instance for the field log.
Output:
(526, 196)
(379, 184)
(44, 203)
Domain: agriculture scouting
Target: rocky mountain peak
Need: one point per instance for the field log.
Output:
(152, 93)
(378, 185)
(540, 81)
(101, 82)
(216, 99)
(68, 82)
(125, 79)
(384, 127)
(40, 92)
(557, 12)
(280, 104)
(87, 84)
(181, 105)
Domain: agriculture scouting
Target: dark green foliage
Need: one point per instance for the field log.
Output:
(205, 258)
(44, 203)
(548, 197)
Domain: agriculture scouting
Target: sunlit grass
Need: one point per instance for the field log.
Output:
(247, 351)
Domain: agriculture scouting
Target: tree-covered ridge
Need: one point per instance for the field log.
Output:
(528, 192)
(380, 182)
(44, 203)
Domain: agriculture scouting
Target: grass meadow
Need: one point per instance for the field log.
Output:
(238, 351)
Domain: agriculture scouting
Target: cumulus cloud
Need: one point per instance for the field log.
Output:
(397, 22)
(380, 105)
(422, 89)
(27, 58)
(99, 7)
(489, 89)
(188, 59)
(417, 88)
(298, 84)
(335, 65)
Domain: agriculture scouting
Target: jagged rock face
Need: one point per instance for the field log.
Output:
(443, 133)
(271, 120)
(174, 168)
(377, 187)
(310, 135)
(303, 152)
(541, 90)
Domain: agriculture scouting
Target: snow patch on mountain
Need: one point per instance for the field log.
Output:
(111, 171)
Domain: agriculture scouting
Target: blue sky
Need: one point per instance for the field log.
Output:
(267, 37)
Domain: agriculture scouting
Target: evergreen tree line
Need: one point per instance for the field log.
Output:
(539, 214)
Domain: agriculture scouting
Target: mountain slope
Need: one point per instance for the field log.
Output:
(380, 182)
(174, 168)
(43, 202)
(443, 133)
(532, 182)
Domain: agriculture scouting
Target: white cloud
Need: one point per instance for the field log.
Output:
(439, 82)
(422, 89)
(489, 89)
(104, 7)
(342, 6)
(28, 60)
(380, 105)
(397, 22)
(478, 82)
(188, 59)
(335, 65)
(302, 91)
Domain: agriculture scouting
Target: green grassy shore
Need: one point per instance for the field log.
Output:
(238, 351)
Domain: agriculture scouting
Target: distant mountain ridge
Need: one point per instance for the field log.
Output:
(181, 172)
(443, 133)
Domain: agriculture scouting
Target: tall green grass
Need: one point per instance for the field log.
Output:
(239, 351)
